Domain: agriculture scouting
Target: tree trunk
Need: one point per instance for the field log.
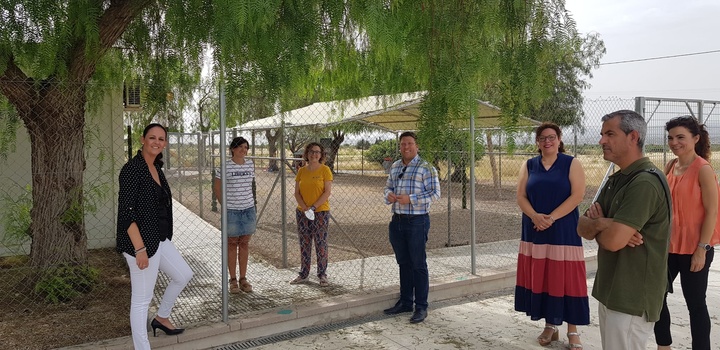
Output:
(338, 138)
(459, 173)
(55, 121)
(493, 165)
(54, 115)
(272, 148)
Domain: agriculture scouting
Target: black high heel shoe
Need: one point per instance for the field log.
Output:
(155, 325)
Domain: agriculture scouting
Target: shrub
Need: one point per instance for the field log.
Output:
(61, 284)
(381, 150)
(15, 218)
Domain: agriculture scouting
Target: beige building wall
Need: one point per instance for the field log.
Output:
(105, 155)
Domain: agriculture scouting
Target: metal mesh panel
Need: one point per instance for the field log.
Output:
(360, 257)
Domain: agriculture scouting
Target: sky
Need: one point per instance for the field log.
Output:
(638, 29)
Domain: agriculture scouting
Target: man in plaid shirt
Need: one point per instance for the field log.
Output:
(412, 186)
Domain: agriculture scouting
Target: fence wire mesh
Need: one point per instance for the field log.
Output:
(360, 257)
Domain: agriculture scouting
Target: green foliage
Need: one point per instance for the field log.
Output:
(73, 214)
(275, 55)
(16, 217)
(10, 123)
(457, 150)
(92, 194)
(297, 138)
(457, 147)
(381, 150)
(362, 144)
(61, 284)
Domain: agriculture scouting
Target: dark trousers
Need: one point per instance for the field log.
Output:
(408, 235)
(694, 287)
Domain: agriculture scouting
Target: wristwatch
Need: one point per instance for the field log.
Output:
(705, 246)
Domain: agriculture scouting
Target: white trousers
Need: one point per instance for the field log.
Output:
(620, 331)
(168, 260)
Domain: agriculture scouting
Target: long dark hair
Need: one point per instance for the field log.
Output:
(158, 158)
(549, 125)
(702, 147)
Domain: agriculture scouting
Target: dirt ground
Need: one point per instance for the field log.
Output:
(361, 217)
(27, 322)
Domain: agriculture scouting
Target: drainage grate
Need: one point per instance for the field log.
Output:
(297, 333)
(249, 344)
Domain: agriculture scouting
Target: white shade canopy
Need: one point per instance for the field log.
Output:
(398, 112)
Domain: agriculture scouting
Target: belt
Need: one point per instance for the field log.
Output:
(408, 216)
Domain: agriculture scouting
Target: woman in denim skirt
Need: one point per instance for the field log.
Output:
(241, 215)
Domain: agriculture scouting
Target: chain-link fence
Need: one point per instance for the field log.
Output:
(360, 257)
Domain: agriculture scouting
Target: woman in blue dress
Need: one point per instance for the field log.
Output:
(551, 278)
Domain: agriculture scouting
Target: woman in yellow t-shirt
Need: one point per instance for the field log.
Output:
(313, 184)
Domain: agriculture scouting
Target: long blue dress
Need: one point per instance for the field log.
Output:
(551, 277)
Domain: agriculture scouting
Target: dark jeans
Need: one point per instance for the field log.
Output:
(694, 287)
(408, 235)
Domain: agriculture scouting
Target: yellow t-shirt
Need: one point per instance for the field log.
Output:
(312, 185)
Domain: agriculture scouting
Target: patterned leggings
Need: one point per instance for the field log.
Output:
(309, 230)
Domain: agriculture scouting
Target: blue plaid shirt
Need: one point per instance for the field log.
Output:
(419, 179)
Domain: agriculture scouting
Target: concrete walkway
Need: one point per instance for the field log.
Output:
(486, 321)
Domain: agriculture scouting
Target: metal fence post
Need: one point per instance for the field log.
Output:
(200, 171)
(129, 142)
(449, 195)
(223, 217)
(283, 189)
(180, 166)
(472, 191)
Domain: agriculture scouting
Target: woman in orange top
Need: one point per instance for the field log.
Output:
(694, 190)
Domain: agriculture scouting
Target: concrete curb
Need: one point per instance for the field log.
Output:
(315, 313)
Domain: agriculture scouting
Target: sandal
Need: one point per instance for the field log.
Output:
(574, 345)
(546, 340)
(324, 281)
(245, 286)
(299, 280)
(234, 286)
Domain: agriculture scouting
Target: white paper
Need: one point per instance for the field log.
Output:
(310, 214)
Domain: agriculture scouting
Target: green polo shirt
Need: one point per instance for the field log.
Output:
(634, 280)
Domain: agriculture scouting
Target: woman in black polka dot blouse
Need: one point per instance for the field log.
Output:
(144, 233)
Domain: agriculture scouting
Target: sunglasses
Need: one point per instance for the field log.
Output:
(402, 172)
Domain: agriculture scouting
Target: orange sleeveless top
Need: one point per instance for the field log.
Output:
(688, 210)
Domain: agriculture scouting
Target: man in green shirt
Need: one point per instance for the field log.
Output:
(631, 224)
